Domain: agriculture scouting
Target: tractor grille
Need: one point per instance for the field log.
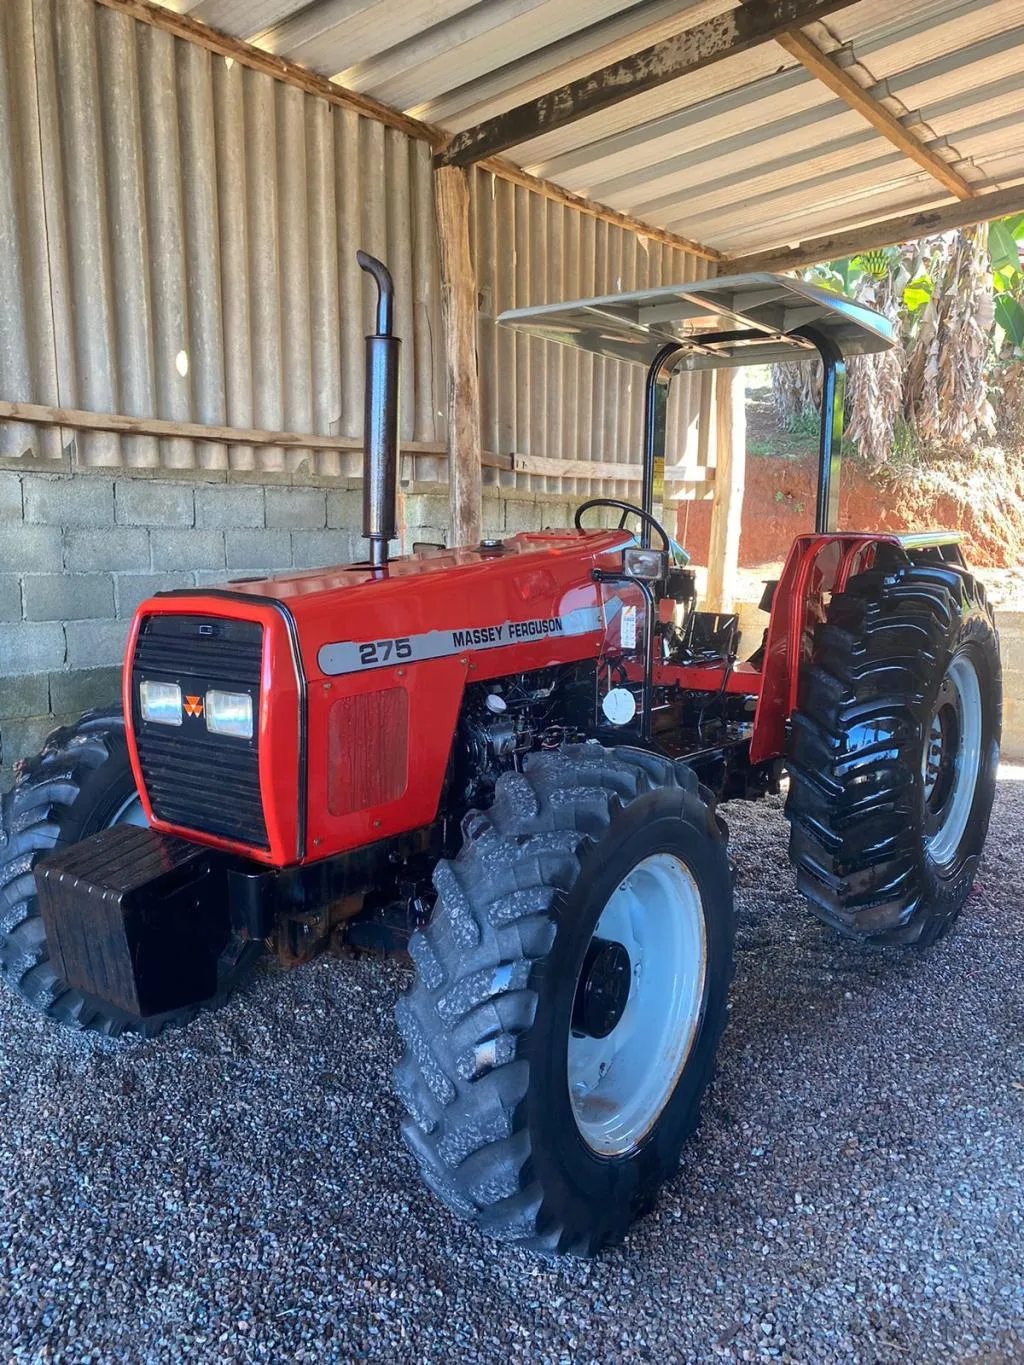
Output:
(195, 779)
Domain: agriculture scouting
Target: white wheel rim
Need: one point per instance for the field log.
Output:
(619, 1084)
(960, 700)
(130, 813)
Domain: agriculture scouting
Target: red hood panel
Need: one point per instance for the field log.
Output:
(516, 553)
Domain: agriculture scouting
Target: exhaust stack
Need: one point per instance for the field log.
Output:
(380, 438)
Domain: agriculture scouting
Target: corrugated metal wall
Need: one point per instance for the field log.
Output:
(543, 400)
(177, 240)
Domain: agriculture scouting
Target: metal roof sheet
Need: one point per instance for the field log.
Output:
(748, 153)
(732, 320)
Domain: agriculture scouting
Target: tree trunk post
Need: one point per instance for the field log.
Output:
(458, 315)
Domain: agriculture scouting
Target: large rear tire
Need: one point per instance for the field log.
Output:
(893, 752)
(569, 997)
(79, 784)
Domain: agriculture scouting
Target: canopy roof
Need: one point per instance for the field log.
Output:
(863, 113)
(729, 321)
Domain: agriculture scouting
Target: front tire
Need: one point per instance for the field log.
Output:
(79, 784)
(521, 994)
(893, 752)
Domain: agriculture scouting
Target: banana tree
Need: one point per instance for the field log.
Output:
(1005, 243)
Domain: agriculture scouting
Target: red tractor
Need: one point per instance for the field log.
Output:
(508, 758)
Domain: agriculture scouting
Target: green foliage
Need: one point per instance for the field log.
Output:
(918, 292)
(904, 443)
(1010, 318)
(957, 304)
(806, 423)
(1002, 246)
(1005, 237)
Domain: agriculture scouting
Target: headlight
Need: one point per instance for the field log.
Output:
(160, 702)
(646, 564)
(229, 713)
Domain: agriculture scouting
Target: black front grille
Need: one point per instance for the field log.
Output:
(195, 779)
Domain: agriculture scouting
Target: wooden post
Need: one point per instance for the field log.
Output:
(458, 316)
(705, 416)
(730, 472)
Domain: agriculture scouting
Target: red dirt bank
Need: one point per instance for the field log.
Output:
(985, 502)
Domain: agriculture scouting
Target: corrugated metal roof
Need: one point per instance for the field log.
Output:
(746, 154)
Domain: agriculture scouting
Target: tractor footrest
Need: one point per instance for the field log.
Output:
(136, 918)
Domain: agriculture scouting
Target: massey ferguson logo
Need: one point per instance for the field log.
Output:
(193, 706)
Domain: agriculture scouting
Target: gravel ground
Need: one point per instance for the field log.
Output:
(238, 1191)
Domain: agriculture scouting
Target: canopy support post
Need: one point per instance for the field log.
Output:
(655, 408)
(830, 441)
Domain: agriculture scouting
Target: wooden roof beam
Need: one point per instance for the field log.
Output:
(841, 83)
(982, 208)
(723, 36)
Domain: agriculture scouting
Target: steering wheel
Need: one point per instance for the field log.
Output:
(627, 509)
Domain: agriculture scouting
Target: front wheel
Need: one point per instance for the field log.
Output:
(893, 752)
(569, 997)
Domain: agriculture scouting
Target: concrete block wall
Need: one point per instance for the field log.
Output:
(79, 552)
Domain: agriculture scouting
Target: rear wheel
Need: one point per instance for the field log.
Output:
(79, 784)
(893, 752)
(569, 996)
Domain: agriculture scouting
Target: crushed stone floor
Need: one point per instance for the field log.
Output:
(238, 1191)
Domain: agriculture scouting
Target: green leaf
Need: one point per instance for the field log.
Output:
(918, 292)
(1010, 317)
(1002, 248)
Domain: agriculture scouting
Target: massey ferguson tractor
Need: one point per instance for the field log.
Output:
(507, 760)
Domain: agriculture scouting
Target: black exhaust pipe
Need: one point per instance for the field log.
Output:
(380, 439)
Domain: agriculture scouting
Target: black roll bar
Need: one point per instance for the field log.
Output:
(659, 374)
(830, 439)
(833, 395)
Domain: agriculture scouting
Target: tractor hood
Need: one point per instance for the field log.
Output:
(336, 669)
(483, 597)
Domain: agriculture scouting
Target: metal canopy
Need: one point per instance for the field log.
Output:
(729, 321)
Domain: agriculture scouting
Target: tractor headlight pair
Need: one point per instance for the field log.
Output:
(226, 713)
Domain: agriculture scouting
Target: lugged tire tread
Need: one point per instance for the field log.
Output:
(849, 801)
(516, 856)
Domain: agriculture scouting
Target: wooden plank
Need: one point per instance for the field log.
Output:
(78, 419)
(983, 208)
(226, 45)
(730, 475)
(458, 317)
(551, 467)
(841, 83)
(683, 53)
